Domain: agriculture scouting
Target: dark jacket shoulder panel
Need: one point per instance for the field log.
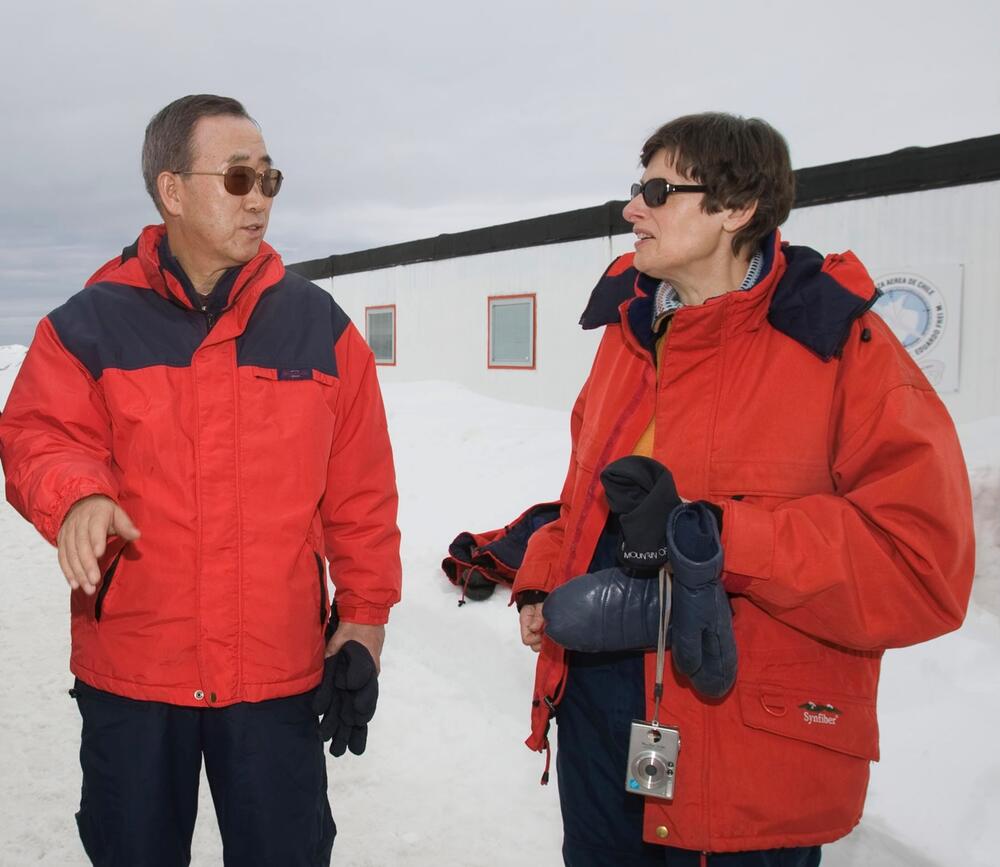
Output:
(125, 327)
(295, 325)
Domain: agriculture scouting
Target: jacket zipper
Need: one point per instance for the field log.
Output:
(105, 585)
(210, 317)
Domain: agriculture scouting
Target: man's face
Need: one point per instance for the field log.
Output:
(221, 229)
(676, 238)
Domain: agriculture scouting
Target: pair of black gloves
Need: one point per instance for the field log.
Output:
(345, 699)
(618, 609)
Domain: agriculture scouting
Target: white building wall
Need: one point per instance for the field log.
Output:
(441, 317)
(951, 226)
(441, 307)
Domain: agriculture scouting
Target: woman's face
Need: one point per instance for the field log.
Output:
(676, 240)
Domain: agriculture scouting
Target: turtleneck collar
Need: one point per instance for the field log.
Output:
(214, 302)
(666, 300)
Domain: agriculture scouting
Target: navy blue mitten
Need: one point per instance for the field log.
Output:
(703, 646)
(345, 699)
(604, 611)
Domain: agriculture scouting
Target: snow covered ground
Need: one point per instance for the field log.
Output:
(446, 779)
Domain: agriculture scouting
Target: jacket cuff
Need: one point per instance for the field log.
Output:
(369, 615)
(51, 524)
(748, 543)
(528, 597)
(532, 577)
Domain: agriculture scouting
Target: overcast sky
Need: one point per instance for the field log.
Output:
(395, 121)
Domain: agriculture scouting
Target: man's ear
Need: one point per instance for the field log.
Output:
(168, 186)
(737, 218)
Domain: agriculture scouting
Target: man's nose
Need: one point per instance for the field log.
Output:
(255, 200)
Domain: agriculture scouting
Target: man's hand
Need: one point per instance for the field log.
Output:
(372, 637)
(531, 626)
(345, 698)
(83, 538)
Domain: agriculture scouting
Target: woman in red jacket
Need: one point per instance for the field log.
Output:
(754, 375)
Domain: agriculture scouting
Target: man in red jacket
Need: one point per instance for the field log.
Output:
(832, 520)
(200, 432)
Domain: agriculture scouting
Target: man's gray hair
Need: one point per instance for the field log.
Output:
(167, 146)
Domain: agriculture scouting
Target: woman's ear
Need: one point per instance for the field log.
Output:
(737, 218)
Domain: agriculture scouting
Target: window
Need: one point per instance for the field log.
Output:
(380, 332)
(512, 331)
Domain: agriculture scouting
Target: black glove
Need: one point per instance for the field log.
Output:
(642, 493)
(702, 644)
(604, 611)
(346, 698)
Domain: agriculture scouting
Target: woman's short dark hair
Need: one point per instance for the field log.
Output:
(167, 146)
(739, 159)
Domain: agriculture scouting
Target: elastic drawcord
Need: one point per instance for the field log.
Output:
(548, 761)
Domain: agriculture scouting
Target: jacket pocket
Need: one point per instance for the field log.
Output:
(767, 480)
(323, 606)
(840, 723)
(295, 374)
(106, 579)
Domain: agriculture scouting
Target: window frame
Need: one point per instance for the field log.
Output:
(395, 327)
(534, 331)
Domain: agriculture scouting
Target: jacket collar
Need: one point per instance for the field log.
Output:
(217, 300)
(139, 265)
(810, 298)
(819, 298)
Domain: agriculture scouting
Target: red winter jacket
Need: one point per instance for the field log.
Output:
(847, 529)
(248, 454)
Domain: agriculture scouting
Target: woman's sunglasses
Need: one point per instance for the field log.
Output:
(655, 191)
(239, 180)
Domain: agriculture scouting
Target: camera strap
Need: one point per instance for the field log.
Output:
(666, 586)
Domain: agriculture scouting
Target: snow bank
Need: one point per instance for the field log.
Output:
(981, 445)
(10, 363)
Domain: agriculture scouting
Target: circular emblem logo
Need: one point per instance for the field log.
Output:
(914, 309)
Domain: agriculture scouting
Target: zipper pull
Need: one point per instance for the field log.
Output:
(210, 316)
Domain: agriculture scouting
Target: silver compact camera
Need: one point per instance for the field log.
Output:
(652, 759)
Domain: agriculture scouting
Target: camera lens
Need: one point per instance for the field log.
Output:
(649, 769)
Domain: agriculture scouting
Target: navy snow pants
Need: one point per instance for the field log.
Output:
(602, 823)
(141, 762)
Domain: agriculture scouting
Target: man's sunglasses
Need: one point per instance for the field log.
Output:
(655, 191)
(239, 180)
